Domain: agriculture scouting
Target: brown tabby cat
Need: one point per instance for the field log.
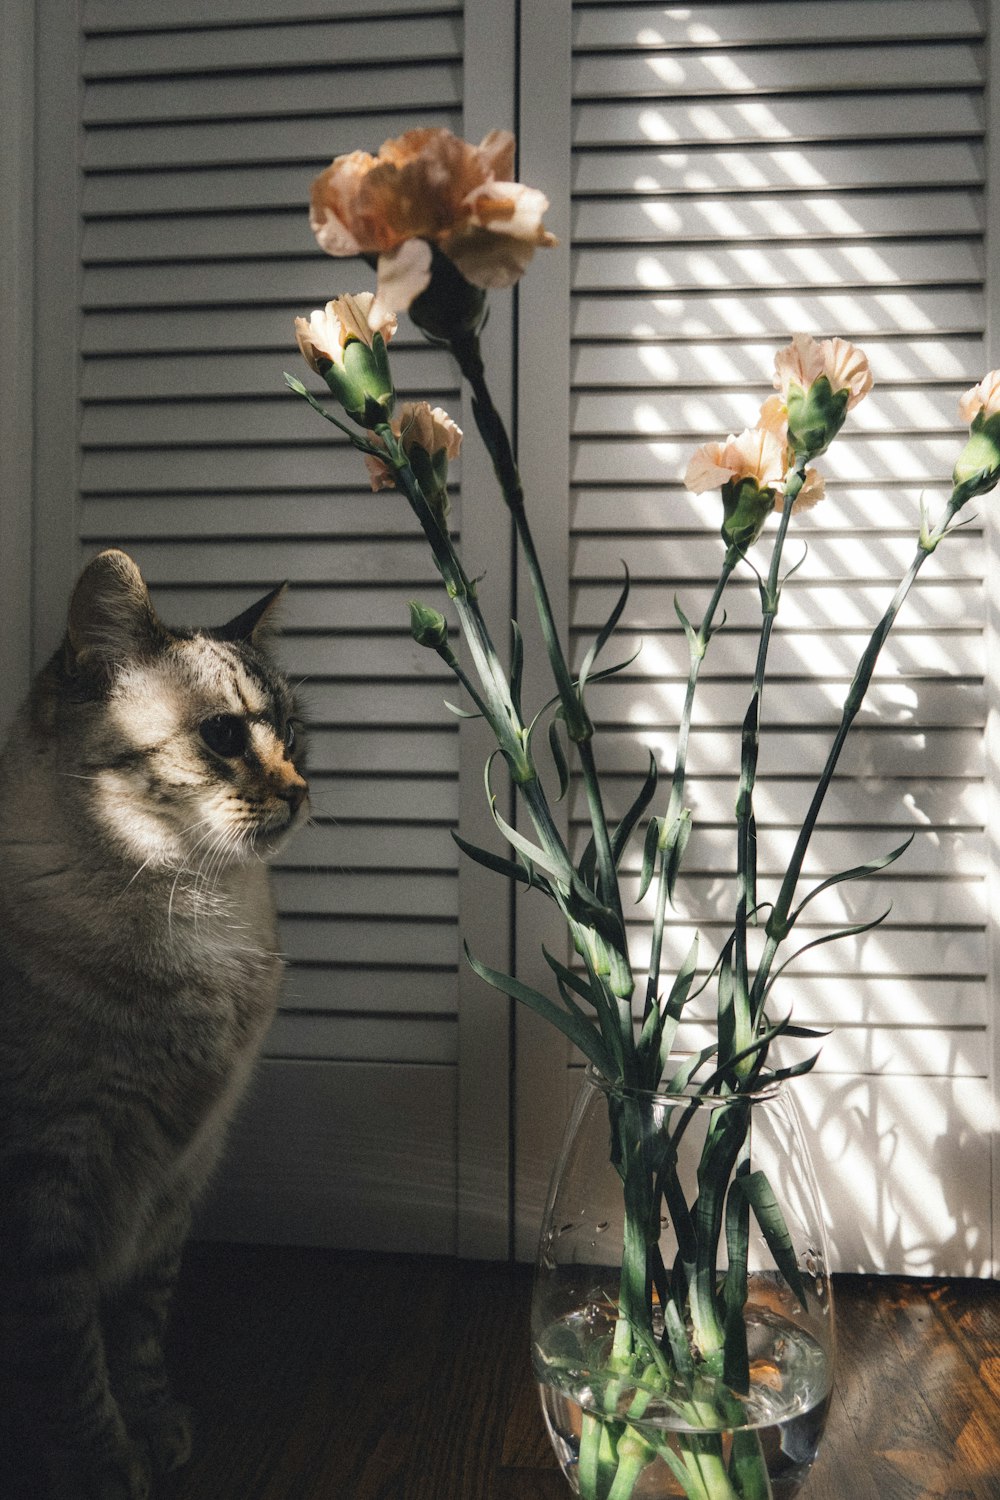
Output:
(144, 783)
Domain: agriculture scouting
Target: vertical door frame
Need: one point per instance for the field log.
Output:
(484, 899)
(17, 292)
(545, 126)
(991, 521)
(57, 256)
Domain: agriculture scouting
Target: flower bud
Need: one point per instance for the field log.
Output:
(815, 416)
(746, 506)
(430, 439)
(978, 468)
(428, 627)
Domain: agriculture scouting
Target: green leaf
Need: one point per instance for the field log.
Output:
(858, 872)
(559, 757)
(622, 834)
(695, 649)
(829, 937)
(650, 847)
(461, 713)
(516, 666)
(496, 862)
(562, 873)
(604, 634)
(767, 1211)
(358, 441)
(677, 842)
(684, 1073)
(566, 976)
(580, 1032)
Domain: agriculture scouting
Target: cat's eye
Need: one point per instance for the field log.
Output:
(289, 737)
(226, 734)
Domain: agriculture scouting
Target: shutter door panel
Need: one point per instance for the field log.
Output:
(740, 173)
(200, 137)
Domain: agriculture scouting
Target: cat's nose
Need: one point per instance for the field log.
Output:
(295, 793)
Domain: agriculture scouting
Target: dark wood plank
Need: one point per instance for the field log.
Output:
(324, 1376)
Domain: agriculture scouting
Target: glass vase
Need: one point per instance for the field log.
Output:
(682, 1316)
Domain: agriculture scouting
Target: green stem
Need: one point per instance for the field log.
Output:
(739, 1033)
(698, 648)
(579, 728)
(778, 925)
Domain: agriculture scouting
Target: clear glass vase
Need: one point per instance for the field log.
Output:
(682, 1317)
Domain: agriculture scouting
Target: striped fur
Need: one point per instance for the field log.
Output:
(141, 790)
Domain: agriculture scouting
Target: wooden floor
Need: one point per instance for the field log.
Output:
(320, 1376)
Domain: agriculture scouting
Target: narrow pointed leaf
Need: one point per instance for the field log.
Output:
(516, 666)
(461, 713)
(604, 633)
(581, 1033)
(567, 976)
(683, 1075)
(496, 862)
(622, 834)
(829, 937)
(559, 757)
(649, 851)
(859, 872)
(767, 1211)
(677, 842)
(689, 631)
(531, 851)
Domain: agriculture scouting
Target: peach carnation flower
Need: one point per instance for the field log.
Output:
(804, 361)
(774, 419)
(325, 334)
(427, 187)
(984, 397)
(418, 426)
(755, 454)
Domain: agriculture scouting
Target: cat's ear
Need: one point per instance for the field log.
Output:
(255, 621)
(111, 617)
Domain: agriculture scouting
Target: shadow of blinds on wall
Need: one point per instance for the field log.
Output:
(203, 126)
(741, 172)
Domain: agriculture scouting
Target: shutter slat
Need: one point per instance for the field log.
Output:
(303, 92)
(762, 24)
(777, 70)
(727, 121)
(316, 44)
(243, 142)
(890, 263)
(765, 169)
(808, 215)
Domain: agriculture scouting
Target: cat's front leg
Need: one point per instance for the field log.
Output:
(52, 1343)
(135, 1318)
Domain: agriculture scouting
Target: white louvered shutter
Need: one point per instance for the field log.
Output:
(735, 172)
(201, 127)
(740, 172)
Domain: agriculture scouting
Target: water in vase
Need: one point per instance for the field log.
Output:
(786, 1404)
